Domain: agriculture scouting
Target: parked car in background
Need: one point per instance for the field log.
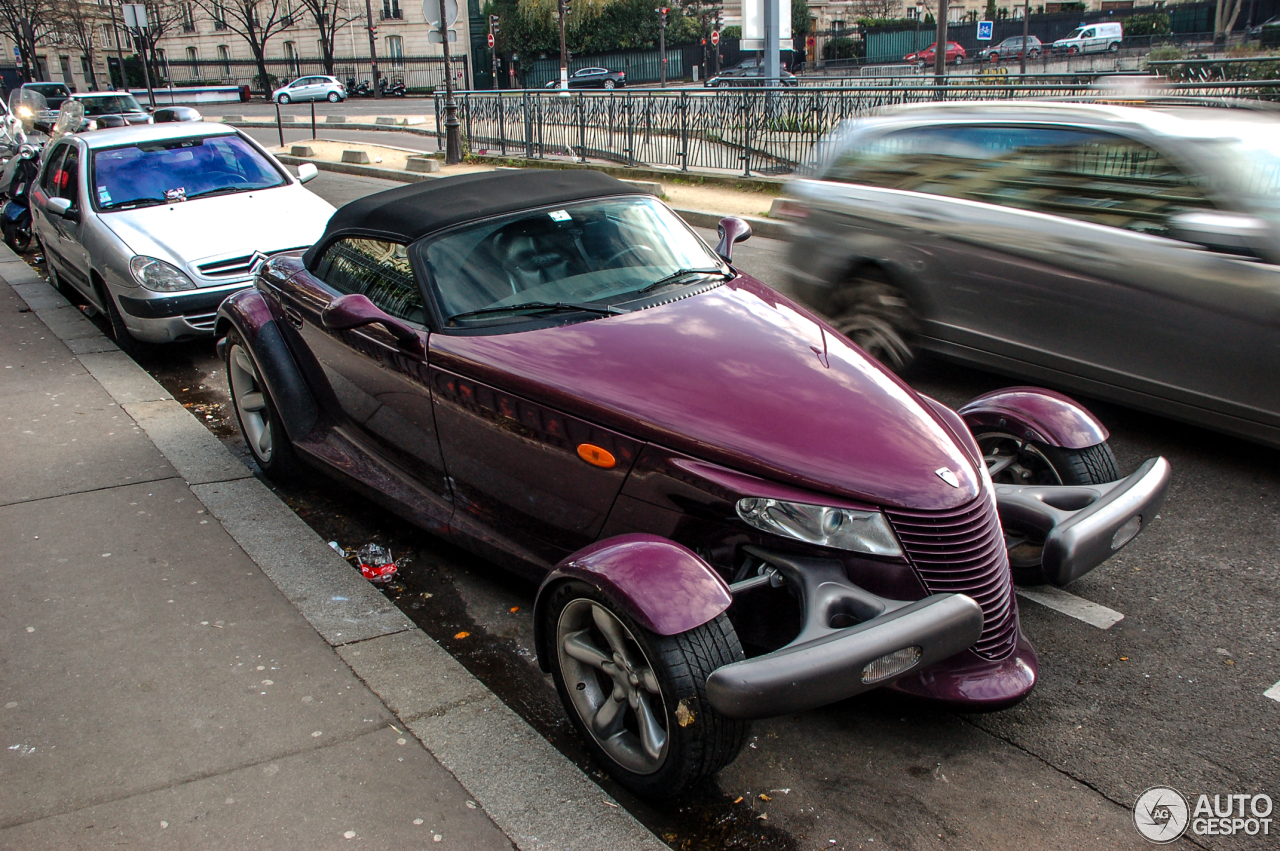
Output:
(955, 55)
(98, 105)
(592, 78)
(155, 225)
(318, 87)
(54, 94)
(504, 360)
(1091, 38)
(1011, 48)
(1128, 253)
(747, 75)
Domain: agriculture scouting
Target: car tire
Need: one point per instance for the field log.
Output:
(610, 84)
(17, 238)
(877, 316)
(60, 284)
(256, 413)
(1114, 47)
(691, 739)
(1033, 54)
(959, 60)
(1073, 50)
(1012, 460)
(124, 339)
(333, 97)
(283, 99)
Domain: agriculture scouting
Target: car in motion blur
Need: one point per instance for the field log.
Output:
(955, 55)
(155, 225)
(1011, 48)
(1127, 252)
(592, 78)
(504, 359)
(98, 106)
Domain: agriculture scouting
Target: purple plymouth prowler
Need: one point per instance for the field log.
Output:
(734, 511)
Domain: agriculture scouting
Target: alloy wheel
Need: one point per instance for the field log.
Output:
(612, 686)
(251, 404)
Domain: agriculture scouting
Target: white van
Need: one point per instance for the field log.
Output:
(1091, 38)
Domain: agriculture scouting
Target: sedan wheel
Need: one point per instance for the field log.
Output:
(877, 316)
(256, 413)
(333, 97)
(638, 698)
(609, 84)
(285, 99)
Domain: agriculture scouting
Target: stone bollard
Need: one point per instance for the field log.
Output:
(357, 157)
(423, 165)
(229, 118)
(335, 119)
(301, 151)
(385, 119)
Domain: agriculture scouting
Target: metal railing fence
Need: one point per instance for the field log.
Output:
(744, 131)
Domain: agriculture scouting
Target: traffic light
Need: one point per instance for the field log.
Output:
(662, 14)
(564, 7)
(493, 24)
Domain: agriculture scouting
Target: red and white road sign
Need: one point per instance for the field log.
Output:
(715, 36)
(490, 39)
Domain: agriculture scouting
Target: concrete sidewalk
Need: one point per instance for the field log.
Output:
(187, 665)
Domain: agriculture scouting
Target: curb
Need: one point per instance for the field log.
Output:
(767, 228)
(536, 796)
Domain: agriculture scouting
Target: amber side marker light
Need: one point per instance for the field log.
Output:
(596, 456)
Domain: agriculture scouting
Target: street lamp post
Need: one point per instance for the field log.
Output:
(493, 47)
(564, 53)
(452, 137)
(373, 49)
(662, 42)
(1026, 29)
(940, 46)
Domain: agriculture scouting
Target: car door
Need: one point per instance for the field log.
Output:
(65, 179)
(374, 388)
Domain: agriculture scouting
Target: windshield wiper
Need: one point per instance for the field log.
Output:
(603, 309)
(223, 190)
(136, 202)
(682, 273)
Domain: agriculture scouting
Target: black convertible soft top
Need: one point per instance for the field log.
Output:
(410, 212)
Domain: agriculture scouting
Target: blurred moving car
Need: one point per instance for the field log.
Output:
(955, 55)
(592, 78)
(315, 87)
(1091, 38)
(98, 105)
(1130, 253)
(1011, 48)
(747, 74)
(155, 225)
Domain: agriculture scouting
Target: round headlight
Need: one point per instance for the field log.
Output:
(158, 275)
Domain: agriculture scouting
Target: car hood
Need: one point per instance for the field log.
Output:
(740, 376)
(191, 232)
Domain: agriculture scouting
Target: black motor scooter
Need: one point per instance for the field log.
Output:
(15, 219)
(363, 90)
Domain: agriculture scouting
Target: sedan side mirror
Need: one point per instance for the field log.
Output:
(355, 311)
(59, 207)
(732, 230)
(1230, 233)
(307, 171)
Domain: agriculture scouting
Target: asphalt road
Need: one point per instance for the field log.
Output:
(1173, 694)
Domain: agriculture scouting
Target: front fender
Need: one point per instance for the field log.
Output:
(1035, 414)
(661, 585)
(248, 313)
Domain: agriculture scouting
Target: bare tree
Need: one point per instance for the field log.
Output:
(255, 21)
(25, 22)
(329, 18)
(163, 17)
(77, 20)
(877, 9)
(1225, 18)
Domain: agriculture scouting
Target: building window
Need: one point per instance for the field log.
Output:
(188, 20)
(224, 56)
(193, 55)
(395, 49)
(84, 66)
(106, 35)
(219, 17)
(391, 10)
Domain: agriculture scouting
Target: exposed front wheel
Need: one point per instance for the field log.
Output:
(256, 412)
(1015, 461)
(1114, 47)
(638, 698)
(128, 344)
(285, 99)
(876, 315)
(609, 84)
(333, 97)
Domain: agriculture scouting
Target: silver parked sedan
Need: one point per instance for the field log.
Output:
(156, 224)
(1129, 253)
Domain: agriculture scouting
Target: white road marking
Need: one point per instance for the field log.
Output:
(1273, 692)
(1072, 606)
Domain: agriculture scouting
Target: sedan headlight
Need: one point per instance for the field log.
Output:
(840, 528)
(159, 276)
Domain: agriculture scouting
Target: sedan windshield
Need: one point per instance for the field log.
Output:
(178, 170)
(1252, 164)
(592, 254)
(109, 104)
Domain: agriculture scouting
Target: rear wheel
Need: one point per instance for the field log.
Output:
(876, 315)
(1015, 461)
(638, 698)
(16, 236)
(285, 99)
(609, 84)
(1114, 47)
(333, 97)
(256, 412)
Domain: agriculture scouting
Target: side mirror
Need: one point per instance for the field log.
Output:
(355, 311)
(1229, 233)
(58, 207)
(732, 230)
(307, 171)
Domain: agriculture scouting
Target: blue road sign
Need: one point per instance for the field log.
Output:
(984, 31)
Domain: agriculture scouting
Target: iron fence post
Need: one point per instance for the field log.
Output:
(439, 127)
(542, 150)
(631, 131)
(279, 124)
(313, 120)
(684, 131)
(582, 128)
(528, 127)
(502, 120)
(746, 135)
(466, 106)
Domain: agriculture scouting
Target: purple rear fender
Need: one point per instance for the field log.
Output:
(1035, 414)
(661, 585)
(248, 313)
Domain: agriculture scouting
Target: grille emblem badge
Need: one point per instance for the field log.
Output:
(947, 476)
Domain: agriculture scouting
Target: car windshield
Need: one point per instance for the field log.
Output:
(109, 104)
(597, 252)
(1251, 163)
(1072, 34)
(177, 170)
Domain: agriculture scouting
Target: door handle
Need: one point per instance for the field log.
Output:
(294, 317)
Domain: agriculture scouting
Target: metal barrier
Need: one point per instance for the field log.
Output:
(746, 131)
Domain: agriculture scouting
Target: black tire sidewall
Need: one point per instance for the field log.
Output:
(284, 462)
(682, 766)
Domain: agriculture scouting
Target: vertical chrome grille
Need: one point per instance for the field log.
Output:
(962, 552)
